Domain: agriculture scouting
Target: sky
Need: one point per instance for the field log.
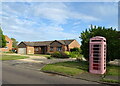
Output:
(42, 21)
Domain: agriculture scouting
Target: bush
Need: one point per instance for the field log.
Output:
(59, 55)
(74, 54)
(75, 50)
(67, 52)
(55, 54)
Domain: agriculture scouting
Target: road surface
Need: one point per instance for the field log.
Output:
(20, 75)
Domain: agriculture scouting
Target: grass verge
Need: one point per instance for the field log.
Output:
(113, 70)
(63, 70)
(78, 67)
(12, 57)
(67, 68)
(110, 81)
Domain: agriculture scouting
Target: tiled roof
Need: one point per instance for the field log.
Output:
(44, 43)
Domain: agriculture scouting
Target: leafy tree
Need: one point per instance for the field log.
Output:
(14, 45)
(113, 41)
(2, 39)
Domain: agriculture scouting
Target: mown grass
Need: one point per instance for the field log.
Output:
(63, 70)
(110, 80)
(67, 68)
(9, 52)
(12, 57)
(113, 70)
(74, 64)
(75, 67)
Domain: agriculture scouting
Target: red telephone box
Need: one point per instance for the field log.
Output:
(97, 55)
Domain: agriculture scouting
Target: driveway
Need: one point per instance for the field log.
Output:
(34, 62)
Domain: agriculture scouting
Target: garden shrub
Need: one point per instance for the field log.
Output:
(55, 54)
(75, 50)
(74, 54)
(59, 55)
(64, 55)
(67, 52)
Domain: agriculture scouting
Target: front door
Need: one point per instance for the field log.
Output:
(43, 49)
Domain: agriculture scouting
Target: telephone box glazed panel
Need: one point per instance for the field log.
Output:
(97, 55)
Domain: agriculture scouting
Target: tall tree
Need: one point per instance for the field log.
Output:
(113, 41)
(14, 45)
(2, 39)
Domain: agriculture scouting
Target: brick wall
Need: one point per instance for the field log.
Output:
(30, 50)
(8, 45)
(74, 44)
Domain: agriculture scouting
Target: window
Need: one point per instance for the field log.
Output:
(96, 40)
(59, 48)
(96, 61)
(36, 49)
(96, 48)
(6, 47)
(51, 48)
(96, 58)
(95, 64)
(96, 55)
(95, 68)
(7, 42)
(96, 52)
(96, 45)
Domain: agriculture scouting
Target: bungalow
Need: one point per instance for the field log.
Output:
(43, 47)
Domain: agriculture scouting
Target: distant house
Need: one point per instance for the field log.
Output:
(43, 47)
(8, 46)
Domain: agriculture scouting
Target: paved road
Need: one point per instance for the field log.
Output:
(20, 75)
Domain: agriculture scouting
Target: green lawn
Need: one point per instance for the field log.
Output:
(110, 80)
(67, 68)
(74, 68)
(12, 57)
(9, 52)
(62, 70)
(113, 70)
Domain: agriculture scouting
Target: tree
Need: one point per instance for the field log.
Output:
(14, 45)
(113, 41)
(2, 39)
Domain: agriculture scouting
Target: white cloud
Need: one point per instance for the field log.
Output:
(77, 23)
(40, 21)
(60, 13)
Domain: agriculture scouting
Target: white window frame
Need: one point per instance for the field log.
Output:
(59, 48)
(51, 49)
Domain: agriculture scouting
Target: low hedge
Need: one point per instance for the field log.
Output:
(66, 54)
(60, 55)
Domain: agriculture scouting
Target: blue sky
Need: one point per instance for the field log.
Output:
(40, 21)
